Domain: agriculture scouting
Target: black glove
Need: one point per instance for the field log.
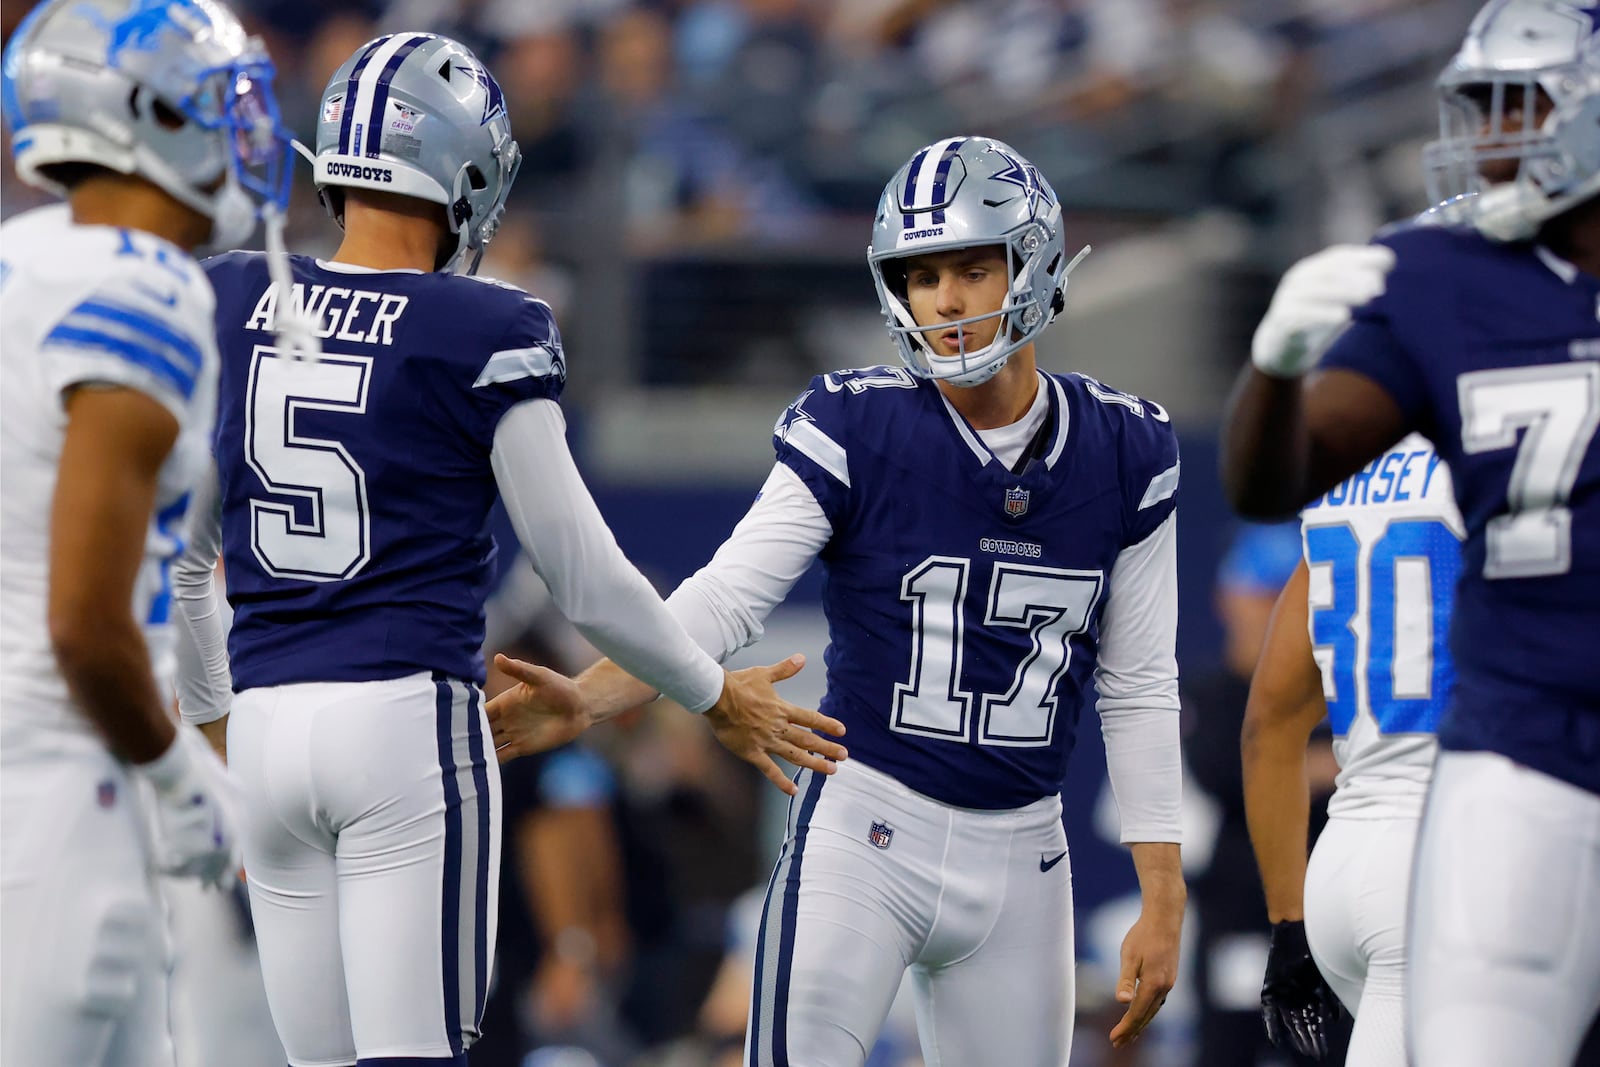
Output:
(1296, 1001)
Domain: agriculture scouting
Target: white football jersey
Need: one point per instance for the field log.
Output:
(1384, 549)
(89, 304)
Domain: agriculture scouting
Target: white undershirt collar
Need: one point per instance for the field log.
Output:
(352, 268)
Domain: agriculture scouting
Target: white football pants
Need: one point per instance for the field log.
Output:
(372, 849)
(1357, 885)
(83, 945)
(874, 878)
(1505, 917)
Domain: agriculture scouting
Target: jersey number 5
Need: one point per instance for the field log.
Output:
(1051, 604)
(314, 524)
(1557, 408)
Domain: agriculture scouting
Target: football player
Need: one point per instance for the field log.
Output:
(999, 543)
(1358, 636)
(155, 122)
(1483, 336)
(351, 498)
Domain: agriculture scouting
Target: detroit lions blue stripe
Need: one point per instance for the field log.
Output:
(941, 175)
(350, 93)
(450, 911)
(68, 336)
(791, 907)
(909, 189)
(380, 97)
(153, 328)
(480, 930)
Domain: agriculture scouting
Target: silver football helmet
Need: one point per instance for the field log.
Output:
(174, 91)
(966, 192)
(1513, 51)
(418, 115)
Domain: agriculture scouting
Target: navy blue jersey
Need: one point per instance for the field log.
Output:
(1493, 352)
(964, 600)
(356, 489)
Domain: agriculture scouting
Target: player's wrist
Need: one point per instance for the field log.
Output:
(1288, 361)
(168, 771)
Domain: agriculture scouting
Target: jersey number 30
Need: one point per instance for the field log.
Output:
(1406, 584)
(314, 524)
(1049, 603)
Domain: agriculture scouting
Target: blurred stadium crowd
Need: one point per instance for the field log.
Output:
(695, 201)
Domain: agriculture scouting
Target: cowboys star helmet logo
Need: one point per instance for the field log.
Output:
(1025, 176)
(494, 102)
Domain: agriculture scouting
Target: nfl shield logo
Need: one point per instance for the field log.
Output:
(1016, 502)
(105, 794)
(880, 835)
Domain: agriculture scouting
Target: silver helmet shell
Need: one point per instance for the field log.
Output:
(1514, 50)
(174, 91)
(418, 115)
(966, 192)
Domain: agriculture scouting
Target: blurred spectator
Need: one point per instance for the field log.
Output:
(1230, 909)
(564, 941)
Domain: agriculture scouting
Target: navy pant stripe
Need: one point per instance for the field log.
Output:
(450, 934)
(480, 931)
(759, 993)
(791, 906)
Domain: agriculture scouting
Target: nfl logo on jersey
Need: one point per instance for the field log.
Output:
(1016, 502)
(880, 835)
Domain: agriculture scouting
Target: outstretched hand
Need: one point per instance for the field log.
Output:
(544, 710)
(753, 722)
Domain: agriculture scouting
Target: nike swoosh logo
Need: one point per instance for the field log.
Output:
(167, 299)
(1045, 865)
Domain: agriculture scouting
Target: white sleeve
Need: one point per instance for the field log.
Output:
(1137, 676)
(205, 683)
(574, 551)
(724, 603)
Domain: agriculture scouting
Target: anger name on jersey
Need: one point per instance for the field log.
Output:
(349, 502)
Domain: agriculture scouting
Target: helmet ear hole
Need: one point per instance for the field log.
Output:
(475, 178)
(444, 69)
(165, 115)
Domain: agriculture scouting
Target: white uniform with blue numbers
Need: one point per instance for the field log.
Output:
(1384, 551)
(983, 587)
(84, 946)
